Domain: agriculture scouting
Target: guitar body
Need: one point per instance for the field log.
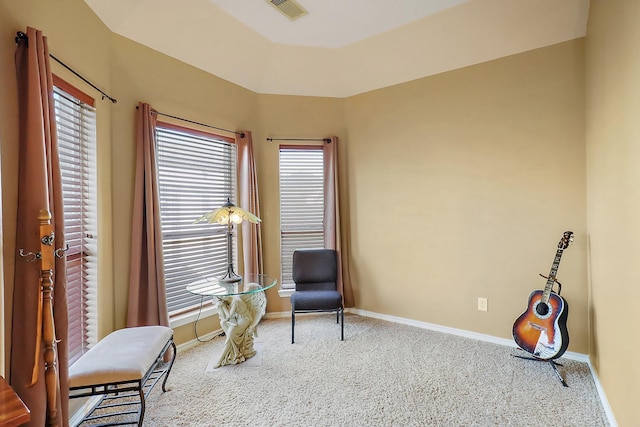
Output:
(542, 329)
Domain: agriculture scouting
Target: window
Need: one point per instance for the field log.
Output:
(301, 204)
(76, 131)
(196, 174)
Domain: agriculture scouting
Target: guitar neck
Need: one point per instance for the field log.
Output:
(551, 279)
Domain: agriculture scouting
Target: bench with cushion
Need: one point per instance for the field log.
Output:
(123, 368)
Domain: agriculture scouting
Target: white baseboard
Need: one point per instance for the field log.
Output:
(580, 357)
(194, 342)
(603, 397)
(87, 406)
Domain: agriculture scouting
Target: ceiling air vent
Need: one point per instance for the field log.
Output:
(290, 8)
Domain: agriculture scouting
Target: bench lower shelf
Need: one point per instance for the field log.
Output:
(124, 402)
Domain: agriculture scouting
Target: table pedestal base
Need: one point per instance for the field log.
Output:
(239, 316)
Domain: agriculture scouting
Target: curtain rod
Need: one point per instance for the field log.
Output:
(328, 140)
(242, 134)
(22, 36)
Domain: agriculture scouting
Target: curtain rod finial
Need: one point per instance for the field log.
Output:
(20, 36)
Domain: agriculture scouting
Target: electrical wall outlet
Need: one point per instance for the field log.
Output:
(482, 304)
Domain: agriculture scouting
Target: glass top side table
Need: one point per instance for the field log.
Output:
(212, 286)
(240, 307)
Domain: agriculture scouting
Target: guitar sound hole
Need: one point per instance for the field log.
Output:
(542, 309)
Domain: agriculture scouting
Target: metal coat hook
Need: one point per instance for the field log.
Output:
(48, 239)
(36, 255)
(60, 251)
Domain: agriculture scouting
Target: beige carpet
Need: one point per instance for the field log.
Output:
(383, 374)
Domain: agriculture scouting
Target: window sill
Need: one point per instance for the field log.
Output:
(285, 293)
(187, 318)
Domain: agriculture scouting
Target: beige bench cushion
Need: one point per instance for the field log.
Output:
(123, 355)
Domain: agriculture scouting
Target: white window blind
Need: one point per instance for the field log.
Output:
(196, 174)
(76, 131)
(301, 204)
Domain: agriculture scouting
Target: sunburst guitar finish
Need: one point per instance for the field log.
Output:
(545, 335)
(542, 329)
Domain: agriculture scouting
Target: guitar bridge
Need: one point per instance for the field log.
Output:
(536, 326)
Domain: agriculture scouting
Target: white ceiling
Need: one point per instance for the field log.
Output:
(331, 23)
(341, 48)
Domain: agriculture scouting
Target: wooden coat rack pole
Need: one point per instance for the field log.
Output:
(48, 326)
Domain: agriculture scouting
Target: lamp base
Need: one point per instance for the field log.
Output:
(230, 277)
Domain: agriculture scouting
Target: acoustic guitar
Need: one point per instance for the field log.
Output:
(542, 329)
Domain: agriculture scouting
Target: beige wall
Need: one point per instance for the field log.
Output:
(455, 186)
(172, 87)
(288, 117)
(85, 46)
(613, 182)
(140, 74)
(462, 185)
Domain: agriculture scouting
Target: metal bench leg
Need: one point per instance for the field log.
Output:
(142, 406)
(173, 358)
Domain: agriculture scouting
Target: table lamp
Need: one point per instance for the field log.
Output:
(229, 214)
